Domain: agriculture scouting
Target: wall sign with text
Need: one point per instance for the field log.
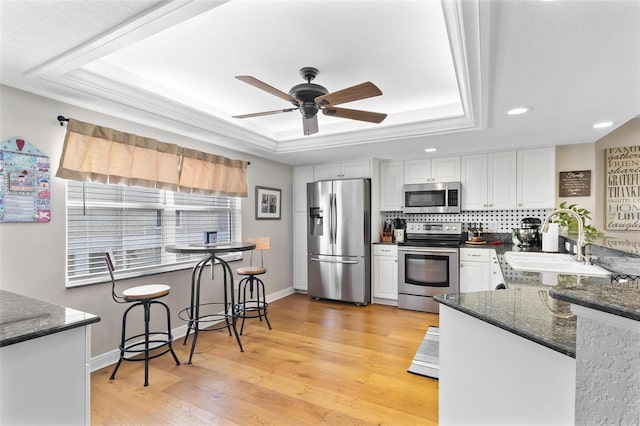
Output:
(575, 184)
(623, 188)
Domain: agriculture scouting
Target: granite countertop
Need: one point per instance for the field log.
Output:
(621, 299)
(23, 318)
(521, 308)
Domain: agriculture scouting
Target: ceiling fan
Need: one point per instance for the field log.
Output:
(309, 98)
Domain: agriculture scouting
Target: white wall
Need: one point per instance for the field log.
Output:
(32, 255)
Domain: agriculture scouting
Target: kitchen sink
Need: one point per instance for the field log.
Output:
(552, 262)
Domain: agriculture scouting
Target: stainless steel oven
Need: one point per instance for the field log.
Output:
(428, 264)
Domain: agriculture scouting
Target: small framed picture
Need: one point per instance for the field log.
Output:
(210, 237)
(268, 203)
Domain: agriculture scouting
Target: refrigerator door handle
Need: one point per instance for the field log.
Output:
(350, 262)
(334, 219)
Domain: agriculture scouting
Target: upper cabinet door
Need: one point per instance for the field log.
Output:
(417, 171)
(356, 169)
(501, 180)
(391, 179)
(489, 181)
(427, 170)
(301, 176)
(327, 171)
(536, 178)
(445, 169)
(343, 170)
(474, 182)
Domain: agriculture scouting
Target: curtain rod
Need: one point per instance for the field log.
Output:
(61, 119)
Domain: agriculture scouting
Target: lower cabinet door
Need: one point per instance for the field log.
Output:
(474, 276)
(385, 277)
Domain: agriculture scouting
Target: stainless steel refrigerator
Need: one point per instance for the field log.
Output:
(339, 240)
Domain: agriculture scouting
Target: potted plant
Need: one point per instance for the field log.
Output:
(570, 223)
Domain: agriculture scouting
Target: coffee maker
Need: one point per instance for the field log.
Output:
(528, 234)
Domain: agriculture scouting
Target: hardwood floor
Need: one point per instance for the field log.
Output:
(323, 362)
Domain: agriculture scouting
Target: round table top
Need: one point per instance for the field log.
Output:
(212, 248)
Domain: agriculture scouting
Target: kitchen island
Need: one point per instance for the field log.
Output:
(509, 356)
(44, 362)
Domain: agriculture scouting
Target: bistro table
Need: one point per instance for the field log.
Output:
(199, 313)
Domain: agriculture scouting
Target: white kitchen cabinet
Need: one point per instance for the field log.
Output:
(46, 380)
(391, 179)
(536, 178)
(385, 272)
(300, 251)
(427, 170)
(343, 170)
(475, 269)
(489, 181)
(301, 176)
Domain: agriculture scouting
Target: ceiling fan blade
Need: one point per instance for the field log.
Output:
(310, 125)
(258, 114)
(264, 86)
(354, 114)
(353, 93)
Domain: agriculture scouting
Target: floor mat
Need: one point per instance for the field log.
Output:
(425, 362)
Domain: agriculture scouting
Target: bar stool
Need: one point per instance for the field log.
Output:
(145, 296)
(253, 306)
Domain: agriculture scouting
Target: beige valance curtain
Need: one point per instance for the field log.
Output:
(98, 154)
(208, 173)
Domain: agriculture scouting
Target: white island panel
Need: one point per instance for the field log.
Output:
(489, 376)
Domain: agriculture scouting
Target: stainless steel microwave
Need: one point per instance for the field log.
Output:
(443, 197)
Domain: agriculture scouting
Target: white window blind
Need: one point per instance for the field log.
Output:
(136, 224)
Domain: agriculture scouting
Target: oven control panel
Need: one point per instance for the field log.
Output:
(434, 228)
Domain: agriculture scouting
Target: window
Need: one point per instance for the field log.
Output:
(136, 224)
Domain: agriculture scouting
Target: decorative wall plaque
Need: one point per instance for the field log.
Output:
(575, 184)
(623, 189)
(24, 183)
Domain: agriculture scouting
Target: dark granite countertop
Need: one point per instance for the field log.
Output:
(521, 310)
(23, 318)
(621, 299)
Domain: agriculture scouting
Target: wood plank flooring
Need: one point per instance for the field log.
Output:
(324, 362)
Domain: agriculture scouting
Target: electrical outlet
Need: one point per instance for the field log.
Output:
(492, 227)
(575, 249)
(567, 246)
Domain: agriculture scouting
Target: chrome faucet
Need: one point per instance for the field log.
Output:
(581, 237)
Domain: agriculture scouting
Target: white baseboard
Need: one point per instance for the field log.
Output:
(110, 358)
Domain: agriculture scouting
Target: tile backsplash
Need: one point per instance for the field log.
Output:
(492, 220)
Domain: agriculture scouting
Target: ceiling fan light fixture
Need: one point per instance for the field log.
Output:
(309, 98)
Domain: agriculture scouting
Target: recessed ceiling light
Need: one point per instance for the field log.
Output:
(519, 110)
(603, 124)
(430, 149)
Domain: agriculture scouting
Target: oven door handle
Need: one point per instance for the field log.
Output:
(428, 249)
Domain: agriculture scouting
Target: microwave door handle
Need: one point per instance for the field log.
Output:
(446, 197)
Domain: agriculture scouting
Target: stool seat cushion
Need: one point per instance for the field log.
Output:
(143, 292)
(251, 270)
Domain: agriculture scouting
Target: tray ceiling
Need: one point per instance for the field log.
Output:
(448, 70)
